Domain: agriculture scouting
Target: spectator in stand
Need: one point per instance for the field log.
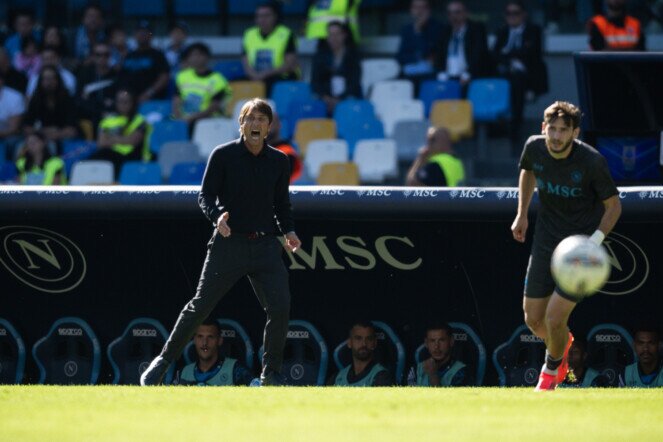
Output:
(54, 38)
(51, 109)
(336, 71)
(269, 50)
(518, 56)
(436, 164)
(117, 38)
(145, 71)
(96, 86)
(464, 53)
(177, 45)
(12, 107)
(24, 26)
(274, 139)
(51, 57)
(615, 30)
(36, 165)
(201, 92)
(90, 32)
(647, 371)
(28, 59)
(123, 136)
(13, 78)
(419, 44)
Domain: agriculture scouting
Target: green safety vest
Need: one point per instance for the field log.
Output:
(119, 124)
(424, 381)
(52, 167)
(266, 53)
(366, 381)
(223, 377)
(632, 375)
(452, 167)
(197, 92)
(320, 16)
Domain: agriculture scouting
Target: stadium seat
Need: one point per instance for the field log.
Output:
(138, 173)
(391, 90)
(69, 354)
(361, 130)
(389, 351)
(467, 348)
(8, 172)
(231, 69)
(243, 7)
(377, 69)
(12, 354)
(189, 8)
(236, 344)
(285, 92)
(313, 129)
(187, 174)
(350, 112)
(210, 132)
(144, 8)
(304, 109)
(338, 174)
(295, 7)
(610, 350)
(455, 115)
(392, 112)
(518, 361)
(305, 356)
(433, 90)
(74, 151)
(131, 353)
(167, 130)
(491, 99)
(377, 160)
(175, 152)
(92, 172)
(155, 110)
(410, 136)
(324, 151)
(244, 90)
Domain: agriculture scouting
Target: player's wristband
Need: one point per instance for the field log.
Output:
(597, 237)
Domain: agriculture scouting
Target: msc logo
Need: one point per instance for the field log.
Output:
(608, 338)
(298, 334)
(630, 266)
(467, 193)
(508, 194)
(651, 194)
(421, 193)
(332, 192)
(228, 333)
(70, 331)
(530, 338)
(144, 332)
(373, 192)
(557, 189)
(42, 259)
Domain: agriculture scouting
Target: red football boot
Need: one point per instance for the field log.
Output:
(547, 382)
(563, 368)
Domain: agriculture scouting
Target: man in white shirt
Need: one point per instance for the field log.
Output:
(12, 106)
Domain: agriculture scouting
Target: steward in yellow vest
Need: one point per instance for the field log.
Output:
(323, 12)
(436, 164)
(35, 164)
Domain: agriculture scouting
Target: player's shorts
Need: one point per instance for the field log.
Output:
(539, 282)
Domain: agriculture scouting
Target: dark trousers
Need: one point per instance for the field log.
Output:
(229, 259)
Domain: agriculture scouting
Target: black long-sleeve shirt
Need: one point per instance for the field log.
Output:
(253, 189)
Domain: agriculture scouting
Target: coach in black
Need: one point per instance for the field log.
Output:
(245, 194)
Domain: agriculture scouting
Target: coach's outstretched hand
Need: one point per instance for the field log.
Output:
(292, 242)
(519, 228)
(222, 224)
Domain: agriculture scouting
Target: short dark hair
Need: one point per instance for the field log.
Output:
(209, 322)
(258, 104)
(568, 112)
(52, 49)
(198, 46)
(439, 326)
(519, 3)
(581, 343)
(647, 328)
(364, 323)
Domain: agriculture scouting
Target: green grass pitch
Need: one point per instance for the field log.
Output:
(41, 413)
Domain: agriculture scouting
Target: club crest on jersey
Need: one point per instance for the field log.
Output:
(576, 176)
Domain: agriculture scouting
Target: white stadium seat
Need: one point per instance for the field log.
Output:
(377, 160)
(91, 172)
(210, 132)
(320, 152)
(376, 69)
(389, 90)
(398, 110)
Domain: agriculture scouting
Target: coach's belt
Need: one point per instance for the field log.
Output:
(255, 235)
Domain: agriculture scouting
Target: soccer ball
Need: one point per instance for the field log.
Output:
(579, 266)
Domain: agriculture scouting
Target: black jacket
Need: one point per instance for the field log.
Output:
(477, 55)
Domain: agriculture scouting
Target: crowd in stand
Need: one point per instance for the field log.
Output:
(91, 86)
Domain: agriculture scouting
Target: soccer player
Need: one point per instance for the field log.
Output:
(440, 369)
(647, 371)
(577, 196)
(211, 369)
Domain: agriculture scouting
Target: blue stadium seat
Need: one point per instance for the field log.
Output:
(295, 7)
(69, 354)
(349, 111)
(144, 8)
(491, 99)
(389, 351)
(300, 109)
(467, 348)
(236, 344)
(167, 130)
(243, 7)
(8, 172)
(189, 174)
(231, 69)
(155, 110)
(519, 360)
(184, 8)
(285, 92)
(432, 90)
(76, 150)
(138, 173)
(132, 352)
(361, 130)
(305, 355)
(610, 350)
(12, 354)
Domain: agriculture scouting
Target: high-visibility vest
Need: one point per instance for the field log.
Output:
(50, 168)
(616, 37)
(366, 381)
(452, 167)
(423, 380)
(633, 379)
(119, 124)
(323, 12)
(223, 377)
(266, 53)
(197, 92)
